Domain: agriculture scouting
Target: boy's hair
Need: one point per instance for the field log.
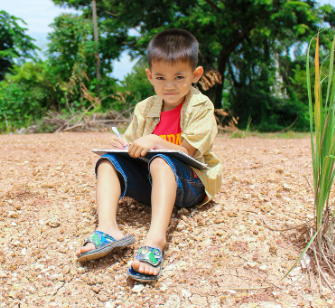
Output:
(172, 46)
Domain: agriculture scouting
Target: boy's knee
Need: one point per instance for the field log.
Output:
(105, 165)
(159, 163)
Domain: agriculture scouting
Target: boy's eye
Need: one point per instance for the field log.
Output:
(160, 78)
(179, 77)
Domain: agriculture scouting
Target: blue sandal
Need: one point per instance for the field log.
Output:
(152, 256)
(104, 244)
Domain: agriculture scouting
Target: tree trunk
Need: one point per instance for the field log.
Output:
(223, 58)
(96, 39)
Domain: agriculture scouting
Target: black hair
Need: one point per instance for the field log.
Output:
(172, 46)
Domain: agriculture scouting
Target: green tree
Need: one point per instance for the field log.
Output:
(25, 95)
(15, 45)
(248, 42)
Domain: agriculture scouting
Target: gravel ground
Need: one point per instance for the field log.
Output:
(225, 254)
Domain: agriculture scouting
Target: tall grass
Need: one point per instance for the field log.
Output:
(322, 128)
(322, 131)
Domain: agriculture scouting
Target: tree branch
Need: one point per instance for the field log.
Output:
(214, 6)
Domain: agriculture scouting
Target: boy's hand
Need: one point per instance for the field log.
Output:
(142, 145)
(119, 143)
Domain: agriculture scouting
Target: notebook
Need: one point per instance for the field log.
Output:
(174, 153)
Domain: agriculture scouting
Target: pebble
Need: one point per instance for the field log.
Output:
(54, 223)
(3, 275)
(286, 187)
(164, 288)
(263, 267)
(185, 293)
(138, 288)
(13, 214)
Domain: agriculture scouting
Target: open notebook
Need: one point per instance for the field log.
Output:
(174, 153)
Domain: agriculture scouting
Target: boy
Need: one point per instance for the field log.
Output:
(179, 117)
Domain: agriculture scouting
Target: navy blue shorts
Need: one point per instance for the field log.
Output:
(137, 180)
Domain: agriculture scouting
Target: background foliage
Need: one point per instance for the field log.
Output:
(258, 47)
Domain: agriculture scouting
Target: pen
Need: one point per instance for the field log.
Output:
(114, 129)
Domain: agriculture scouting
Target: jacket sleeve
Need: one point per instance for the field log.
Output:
(201, 127)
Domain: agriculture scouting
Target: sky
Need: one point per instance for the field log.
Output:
(39, 14)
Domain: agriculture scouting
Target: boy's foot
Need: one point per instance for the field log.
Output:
(101, 243)
(144, 267)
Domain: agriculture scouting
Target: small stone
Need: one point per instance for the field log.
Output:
(102, 298)
(3, 275)
(17, 206)
(10, 201)
(53, 223)
(250, 265)
(263, 267)
(163, 288)
(185, 293)
(232, 214)
(267, 207)
(138, 288)
(13, 214)
(286, 187)
(97, 289)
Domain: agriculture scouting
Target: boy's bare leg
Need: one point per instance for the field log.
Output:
(163, 197)
(108, 194)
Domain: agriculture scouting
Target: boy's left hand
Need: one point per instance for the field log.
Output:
(142, 145)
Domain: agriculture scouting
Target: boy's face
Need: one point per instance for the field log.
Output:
(172, 81)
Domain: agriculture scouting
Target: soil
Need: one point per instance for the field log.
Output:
(225, 254)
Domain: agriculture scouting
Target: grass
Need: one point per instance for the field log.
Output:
(255, 134)
(321, 246)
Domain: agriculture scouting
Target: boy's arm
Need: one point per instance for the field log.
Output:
(142, 145)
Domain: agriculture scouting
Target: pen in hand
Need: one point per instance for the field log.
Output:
(116, 132)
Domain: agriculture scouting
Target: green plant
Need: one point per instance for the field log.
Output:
(322, 128)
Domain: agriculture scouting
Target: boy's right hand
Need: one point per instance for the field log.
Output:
(119, 143)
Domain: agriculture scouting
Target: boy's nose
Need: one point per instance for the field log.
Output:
(169, 86)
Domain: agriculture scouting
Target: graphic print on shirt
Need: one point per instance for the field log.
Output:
(169, 126)
(176, 139)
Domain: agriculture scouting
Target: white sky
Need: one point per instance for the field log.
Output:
(39, 14)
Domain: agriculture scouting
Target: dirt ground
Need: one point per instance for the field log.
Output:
(225, 254)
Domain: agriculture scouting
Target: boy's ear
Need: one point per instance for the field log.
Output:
(149, 75)
(197, 74)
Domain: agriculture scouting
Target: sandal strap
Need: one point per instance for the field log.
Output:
(98, 238)
(150, 255)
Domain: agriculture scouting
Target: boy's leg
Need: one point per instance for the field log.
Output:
(163, 198)
(108, 193)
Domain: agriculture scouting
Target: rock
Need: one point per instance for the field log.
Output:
(164, 288)
(138, 288)
(286, 187)
(267, 207)
(3, 275)
(185, 293)
(12, 214)
(53, 223)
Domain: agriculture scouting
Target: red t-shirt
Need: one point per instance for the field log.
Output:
(169, 126)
